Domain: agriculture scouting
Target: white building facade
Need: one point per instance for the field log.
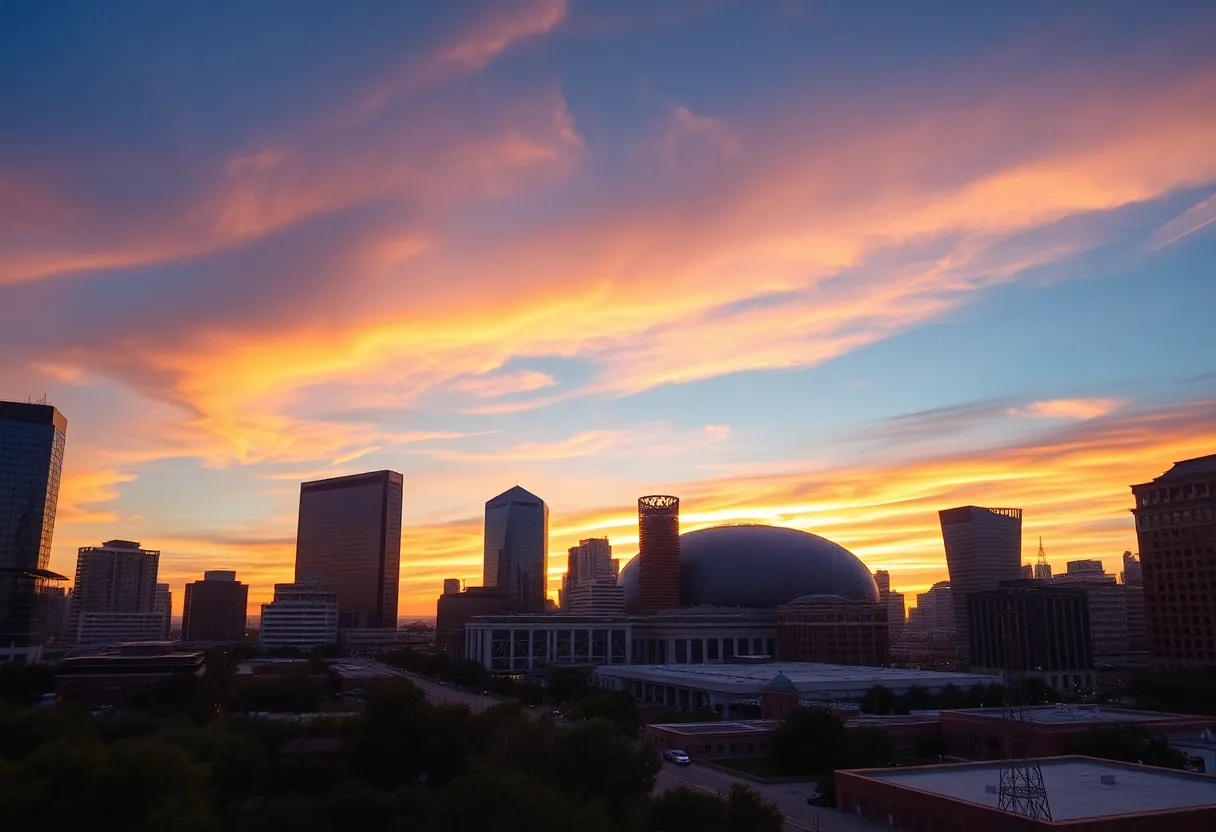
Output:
(303, 615)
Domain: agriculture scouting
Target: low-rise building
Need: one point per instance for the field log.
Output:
(97, 629)
(979, 733)
(107, 677)
(832, 630)
(1085, 795)
(303, 616)
(733, 690)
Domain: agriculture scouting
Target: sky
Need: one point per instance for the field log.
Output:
(831, 265)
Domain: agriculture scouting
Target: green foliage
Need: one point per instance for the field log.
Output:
(468, 674)
(24, 684)
(813, 741)
(917, 698)
(595, 760)
(1127, 742)
(508, 800)
(1180, 691)
(568, 684)
(23, 730)
(879, 700)
(616, 706)
(530, 693)
(279, 694)
(686, 810)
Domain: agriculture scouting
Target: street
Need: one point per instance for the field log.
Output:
(790, 798)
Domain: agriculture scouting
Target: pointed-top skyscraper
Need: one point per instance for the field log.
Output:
(517, 548)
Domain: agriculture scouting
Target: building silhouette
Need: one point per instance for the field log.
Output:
(32, 439)
(1106, 601)
(983, 549)
(163, 604)
(1132, 579)
(829, 629)
(214, 609)
(302, 616)
(894, 603)
(1053, 634)
(516, 560)
(349, 538)
(590, 585)
(114, 596)
(658, 553)
(1176, 528)
(451, 586)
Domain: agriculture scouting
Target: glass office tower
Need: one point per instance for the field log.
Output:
(32, 438)
(349, 538)
(517, 549)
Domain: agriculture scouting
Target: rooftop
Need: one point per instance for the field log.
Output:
(807, 677)
(1084, 714)
(1074, 786)
(748, 726)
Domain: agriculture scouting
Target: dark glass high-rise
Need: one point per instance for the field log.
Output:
(32, 438)
(517, 549)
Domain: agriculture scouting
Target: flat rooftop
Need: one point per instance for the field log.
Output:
(1075, 790)
(692, 729)
(1085, 715)
(810, 678)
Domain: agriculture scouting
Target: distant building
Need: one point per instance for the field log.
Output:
(1175, 526)
(935, 608)
(451, 586)
(349, 538)
(516, 559)
(882, 579)
(215, 608)
(303, 615)
(658, 554)
(99, 629)
(590, 585)
(1028, 571)
(454, 611)
(831, 630)
(106, 678)
(32, 438)
(163, 603)
(116, 580)
(983, 548)
(55, 604)
(1107, 606)
(894, 603)
(1053, 636)
(1133, 597)
(1042, 571)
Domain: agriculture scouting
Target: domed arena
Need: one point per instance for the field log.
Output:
(760, 567)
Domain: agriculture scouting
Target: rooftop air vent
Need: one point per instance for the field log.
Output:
(1108, 779)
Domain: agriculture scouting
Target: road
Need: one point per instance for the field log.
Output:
(790, 798)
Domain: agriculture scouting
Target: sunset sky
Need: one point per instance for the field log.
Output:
(828, 264)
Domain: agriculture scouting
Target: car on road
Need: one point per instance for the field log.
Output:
(673, 755)
(818, 799)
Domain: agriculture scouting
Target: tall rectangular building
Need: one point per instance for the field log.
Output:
(163, 604)
(302, 616)
(1176, 526)
(516, 559)
(349, 538)
(1047, 626)
(1108, 624)
(215, 608)
(114, 580)
(32, 438)
(983, 548)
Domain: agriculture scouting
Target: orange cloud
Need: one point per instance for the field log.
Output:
(1070, 408)
(493, 386)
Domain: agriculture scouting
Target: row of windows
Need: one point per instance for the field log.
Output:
(1177, 493)
(1174, 518)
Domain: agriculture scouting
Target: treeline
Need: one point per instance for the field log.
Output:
(401, 763)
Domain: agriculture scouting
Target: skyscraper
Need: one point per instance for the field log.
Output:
(214, 610)
(114, 597)
(1107, 606)
(517, 549)
(1176, 526)
(590, 583)
(163, 604)
(983, 548)
(32, 439)
(1132, 579)
(658, 553)
(349, 538)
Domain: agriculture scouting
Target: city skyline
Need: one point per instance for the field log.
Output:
(780, 264)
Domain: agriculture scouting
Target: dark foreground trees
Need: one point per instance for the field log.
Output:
(686, 810)
(1127, 742)
(403, 763)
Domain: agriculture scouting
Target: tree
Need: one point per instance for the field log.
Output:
(975, 696)
(809, 741)
(530, 693)
(869, 748)
(24, 684)
(567, 684)
(878, 700)
(616, 706)
(918, 698)
(509, 800)
(741, 810)
(468, 674)
(1127, 742)
(594, 760)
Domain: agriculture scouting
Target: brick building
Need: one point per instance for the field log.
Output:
(832, 630)
(1085, 794)
(1176, 526)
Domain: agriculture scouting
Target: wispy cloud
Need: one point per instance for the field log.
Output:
(1193, 219)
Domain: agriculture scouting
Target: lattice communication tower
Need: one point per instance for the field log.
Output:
(1021, 789)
